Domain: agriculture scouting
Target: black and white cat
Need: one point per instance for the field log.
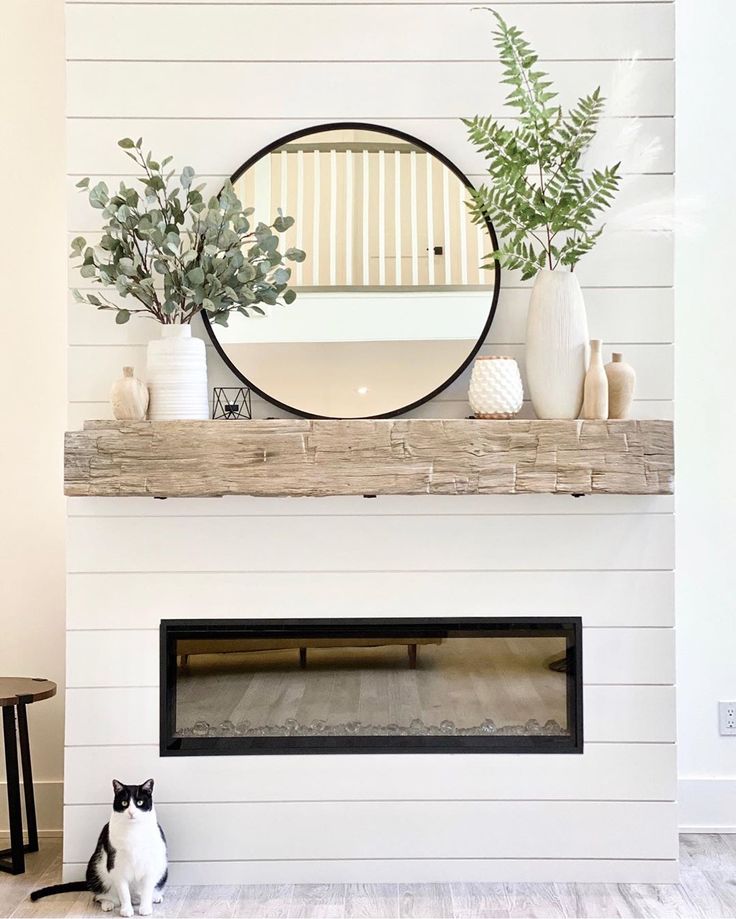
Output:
(129, 864)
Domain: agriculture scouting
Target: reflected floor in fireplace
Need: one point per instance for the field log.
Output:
(466, 686)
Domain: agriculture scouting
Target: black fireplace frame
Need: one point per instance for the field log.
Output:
(172, 630)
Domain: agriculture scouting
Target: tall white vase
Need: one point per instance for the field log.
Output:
(177, 376)
(556, 345)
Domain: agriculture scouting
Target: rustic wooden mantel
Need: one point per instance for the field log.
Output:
(382, 457)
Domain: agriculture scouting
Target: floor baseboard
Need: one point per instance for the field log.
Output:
(49, 808)
(707, 805)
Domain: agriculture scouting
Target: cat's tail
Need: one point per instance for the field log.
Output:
(59, 888)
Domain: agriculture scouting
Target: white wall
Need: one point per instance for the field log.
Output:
(32, 548)
(32, 365)
(32, 541)
(705, 435)
(132, 562)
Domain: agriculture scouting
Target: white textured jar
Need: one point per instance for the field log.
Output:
(557, 347)
(177, 376)
(495, 387)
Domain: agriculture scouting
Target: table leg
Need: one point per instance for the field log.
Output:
(559, 665)
(28, 792)
(17, 864)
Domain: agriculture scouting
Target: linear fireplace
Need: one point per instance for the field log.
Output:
(371, 685)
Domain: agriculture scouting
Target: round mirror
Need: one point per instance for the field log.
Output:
(392, 303)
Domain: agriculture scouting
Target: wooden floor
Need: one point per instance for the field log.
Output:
(707, 889)
(462, 680)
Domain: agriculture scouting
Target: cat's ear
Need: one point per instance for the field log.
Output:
(147, 786)
(117, 787)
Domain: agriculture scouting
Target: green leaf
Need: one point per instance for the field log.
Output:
(538, 195)
(153, 184)
(127, 267)
(83, 183)
(122, 316)
(289, 296)
(281, 224)
(295, 255)
(269, 243)
(187, 174)
(126, 143)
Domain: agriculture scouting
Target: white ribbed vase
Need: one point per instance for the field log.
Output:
(177, 376)
(557, 346)
(495, 387)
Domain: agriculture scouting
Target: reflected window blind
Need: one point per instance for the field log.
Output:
(370, 218)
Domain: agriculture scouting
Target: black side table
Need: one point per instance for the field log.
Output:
(15, 694)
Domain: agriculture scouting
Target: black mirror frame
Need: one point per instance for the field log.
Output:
(401, 135)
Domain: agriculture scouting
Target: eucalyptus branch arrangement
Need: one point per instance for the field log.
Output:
(176, 254)
(540, 198)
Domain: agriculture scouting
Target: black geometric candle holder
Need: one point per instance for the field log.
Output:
(231, 403)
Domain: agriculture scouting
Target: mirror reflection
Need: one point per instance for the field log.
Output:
(391, 298)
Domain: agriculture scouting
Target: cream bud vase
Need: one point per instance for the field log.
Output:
(495, 387)
(621, 383)
(177, 375)
(129, 397)
(556, 345)
(595, 401)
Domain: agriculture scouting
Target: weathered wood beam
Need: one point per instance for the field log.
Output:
(381, 457)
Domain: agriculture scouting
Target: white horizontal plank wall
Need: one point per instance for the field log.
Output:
(187, 84)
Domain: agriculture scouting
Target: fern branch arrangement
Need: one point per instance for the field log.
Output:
(540, 199)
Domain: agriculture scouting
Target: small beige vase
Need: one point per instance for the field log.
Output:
(129, 397)
(621, 382)
(595, 390)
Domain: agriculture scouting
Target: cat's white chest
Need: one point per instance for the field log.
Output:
(139, 850)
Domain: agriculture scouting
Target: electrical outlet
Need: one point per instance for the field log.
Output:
(727, 717)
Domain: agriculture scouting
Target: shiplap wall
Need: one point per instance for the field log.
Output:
(193, 80)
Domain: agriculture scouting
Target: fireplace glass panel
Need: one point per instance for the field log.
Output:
(403, 685)
(385, 684)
